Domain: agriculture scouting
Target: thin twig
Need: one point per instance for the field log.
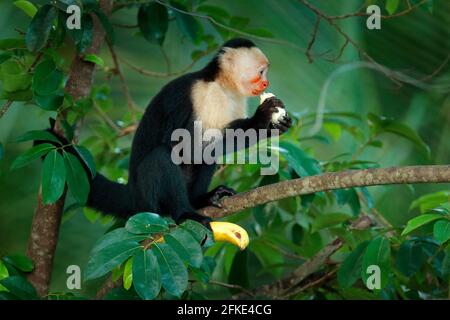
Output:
(438, 70)
(5, 108)
(313, 39)
(131, 106)
(311, 284)
(232, 286)
(107, 119)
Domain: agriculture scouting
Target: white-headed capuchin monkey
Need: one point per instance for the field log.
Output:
(216, 96)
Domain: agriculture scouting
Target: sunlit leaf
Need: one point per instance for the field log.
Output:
(420, 221)
(27, 7)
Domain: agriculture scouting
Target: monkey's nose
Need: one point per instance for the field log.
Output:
(264, 84)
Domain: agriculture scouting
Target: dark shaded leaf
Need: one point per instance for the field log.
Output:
(410, 258)
(32, 154)
(88, 159)
(19, 287)
(77, 179)
(153, 21)
(38, 135)
(39, 29)
(110, 257)
(23, 263)
(146, 274)
(174, 275)
(186, 246)
(147, 223)
(350, 269)
(53, 177)
(378, 253)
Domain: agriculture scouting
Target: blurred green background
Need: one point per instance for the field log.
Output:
(416, 44)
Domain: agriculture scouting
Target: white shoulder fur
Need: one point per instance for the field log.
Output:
(215, 107)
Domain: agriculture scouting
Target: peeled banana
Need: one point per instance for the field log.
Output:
(230, 232)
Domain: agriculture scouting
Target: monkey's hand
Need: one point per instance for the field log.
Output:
(266, 116)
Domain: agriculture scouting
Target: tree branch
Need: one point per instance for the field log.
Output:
(329, 181)
(47, 218)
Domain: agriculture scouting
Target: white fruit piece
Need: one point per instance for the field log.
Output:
(279, 114)
(265, 96)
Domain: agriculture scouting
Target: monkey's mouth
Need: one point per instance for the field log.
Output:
(257, 92)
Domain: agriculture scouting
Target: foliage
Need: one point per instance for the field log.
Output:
(157, 259)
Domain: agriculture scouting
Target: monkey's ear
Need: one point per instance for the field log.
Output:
(52, 123)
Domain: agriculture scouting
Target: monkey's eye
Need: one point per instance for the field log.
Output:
(261, 72)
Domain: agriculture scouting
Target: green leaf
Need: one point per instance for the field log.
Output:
(146, 274)
(88, 159)
(3, 274)
(94, 59)
(188, 25)
(239, 270)
(116, 236)
(12, 43)
(32, 154)
(174, 275)
(392, 5)
(77, 179)
(214, 11)
(2, 152)
(186, 246)
(153, 21)
(147, 223)
(39, 29)
(27, 7)
(410, 258)
(419, 221)
(378, 253)
(5, 56)
(350, 269)
(199, 232)
(50, 102)
(53, 177)
(23, 263)
(127, 274)
(38, 135)
(47, 80)
(20, 287)
(328, 220)
(14, 76)
(260, 32)
(107, 26)
(430, 201)
(441, 231)
(382, 125)
(446, 262)
(302, 163)
(109, 257)
(85, 40)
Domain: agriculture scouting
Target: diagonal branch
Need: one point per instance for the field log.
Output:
(330, 181)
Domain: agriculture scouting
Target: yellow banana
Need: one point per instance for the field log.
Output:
(230, 232)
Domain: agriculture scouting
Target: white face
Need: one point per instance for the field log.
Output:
(247, 68)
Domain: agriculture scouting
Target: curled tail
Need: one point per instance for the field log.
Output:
(110, 197)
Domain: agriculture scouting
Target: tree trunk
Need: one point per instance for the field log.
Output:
(47, 218)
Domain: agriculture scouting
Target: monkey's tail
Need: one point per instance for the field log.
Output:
(110, 197)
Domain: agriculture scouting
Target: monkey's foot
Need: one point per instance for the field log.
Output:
(219, 193)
